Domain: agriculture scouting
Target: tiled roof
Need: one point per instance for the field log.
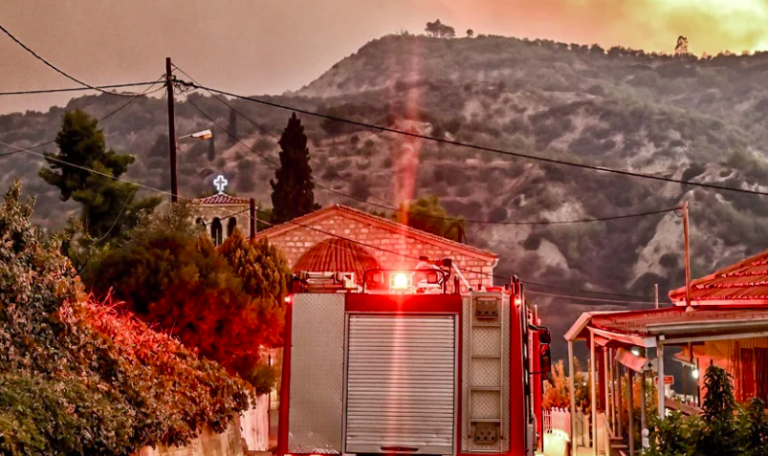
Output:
(222, 199)
(672, 321)
(744, 282)
(380, 222)
(337, 255)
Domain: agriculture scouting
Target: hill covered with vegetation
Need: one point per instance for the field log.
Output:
(698, 119)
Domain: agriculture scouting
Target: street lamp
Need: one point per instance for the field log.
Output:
(201, 135)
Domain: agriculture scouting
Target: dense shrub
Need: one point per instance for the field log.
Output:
(79, 378)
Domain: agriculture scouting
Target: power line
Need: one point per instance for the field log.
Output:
(363, 244)
(78, 89)
(399, 210)
(582, 298)
(153, 189)
(54, 67)
(84, 168)
(251, 121)
(481, 148)
(146, 91)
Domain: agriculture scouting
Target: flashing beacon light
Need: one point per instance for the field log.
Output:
(288, 299)
(399, 281)
(518, 300)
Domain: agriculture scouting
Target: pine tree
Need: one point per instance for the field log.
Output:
(292, 189)
(109, 206)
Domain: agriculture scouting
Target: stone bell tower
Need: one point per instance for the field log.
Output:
(221, 213)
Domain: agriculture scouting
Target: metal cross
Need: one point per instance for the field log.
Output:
(220, 183)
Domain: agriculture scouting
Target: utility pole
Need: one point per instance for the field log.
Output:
(687, 256)
(656, 294)
(252, 213)
(171, 130)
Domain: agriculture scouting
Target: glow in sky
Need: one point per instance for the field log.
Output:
(269, 46)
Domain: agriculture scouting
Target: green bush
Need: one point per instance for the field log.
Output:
(76, 377)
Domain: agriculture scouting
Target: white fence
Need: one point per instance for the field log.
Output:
(558, 421)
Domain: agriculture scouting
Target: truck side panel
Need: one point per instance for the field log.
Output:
(316, 374)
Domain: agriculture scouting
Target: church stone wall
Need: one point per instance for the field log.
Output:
(392, 250)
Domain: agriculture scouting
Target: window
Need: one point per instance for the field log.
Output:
(216, 231)
(231, 224)
(761, 372)
(747, 374)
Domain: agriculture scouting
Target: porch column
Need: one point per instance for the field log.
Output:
(660, 360)
(620, 413)
(572, 393)
(642, 402)
(611, 357)
(593, 383)
(630, 408)
(606, 373)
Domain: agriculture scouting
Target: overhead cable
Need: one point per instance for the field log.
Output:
(553, 161)
(54, 67)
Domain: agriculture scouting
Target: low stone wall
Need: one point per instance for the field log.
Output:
(208, 444)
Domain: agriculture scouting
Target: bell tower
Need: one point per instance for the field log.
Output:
(221, 213)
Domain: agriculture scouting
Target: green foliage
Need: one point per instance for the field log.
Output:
(109, 207)
(754, 426)
(427, 214)
(227, 303)
(78, 378)
(293, 190)
(723, 429)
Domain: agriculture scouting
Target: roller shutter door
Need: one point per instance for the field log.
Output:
(401, 384)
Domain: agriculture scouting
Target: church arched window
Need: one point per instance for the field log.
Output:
(231, 224)
(217, 231)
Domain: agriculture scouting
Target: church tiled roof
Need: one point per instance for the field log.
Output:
(222, 199)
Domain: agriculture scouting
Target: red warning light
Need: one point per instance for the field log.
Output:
(518, 300)
(288, 300)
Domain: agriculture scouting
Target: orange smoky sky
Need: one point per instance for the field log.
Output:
(270, 46)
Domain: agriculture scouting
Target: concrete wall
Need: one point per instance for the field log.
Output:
(208, 444)
(254, 425)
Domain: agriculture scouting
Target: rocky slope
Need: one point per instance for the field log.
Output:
(701, 120)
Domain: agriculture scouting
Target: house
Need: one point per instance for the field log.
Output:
(726, 325)
(342, 239)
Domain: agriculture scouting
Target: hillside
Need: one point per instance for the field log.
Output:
(682, 117)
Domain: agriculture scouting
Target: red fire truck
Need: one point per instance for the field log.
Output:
(400, 365)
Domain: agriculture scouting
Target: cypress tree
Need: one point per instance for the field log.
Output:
(232, 126)
(211, 150)
(292, 189)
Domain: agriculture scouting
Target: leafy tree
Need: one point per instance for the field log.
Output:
(470, 33)
(433, 28)
(76, 377)
(292, 189)
(556, 393)
(172, 276)
(428, 215)
(109, 207)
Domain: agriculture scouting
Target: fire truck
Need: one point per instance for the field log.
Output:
(400, 365)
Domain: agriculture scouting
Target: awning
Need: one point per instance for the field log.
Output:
(629, 360)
